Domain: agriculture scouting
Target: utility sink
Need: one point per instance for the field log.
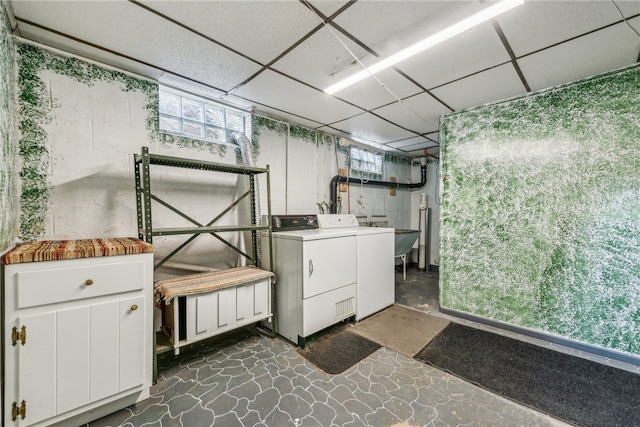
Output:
(404, 242)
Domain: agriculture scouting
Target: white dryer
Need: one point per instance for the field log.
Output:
(315, 275)
(375, 262)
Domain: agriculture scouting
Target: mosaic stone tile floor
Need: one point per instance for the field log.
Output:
(244, 379)
(259, 381)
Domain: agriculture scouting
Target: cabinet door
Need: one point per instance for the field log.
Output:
(72, 358)
(226, 307)
(261, 298)
(328, 264)
(77, 356)
(105, 334)
(244, 302)
(132, 342)
(36, 369)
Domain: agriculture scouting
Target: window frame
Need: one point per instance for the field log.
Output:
(198, 114)
(358, 156)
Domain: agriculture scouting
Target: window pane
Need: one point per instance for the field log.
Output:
(169, 124)
(169, 104)
(235, 121)
(192, 110)
(214, 116)
(192, 129)
(378, 161)
(215, 134)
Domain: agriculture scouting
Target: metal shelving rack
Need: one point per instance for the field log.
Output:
(145, 196)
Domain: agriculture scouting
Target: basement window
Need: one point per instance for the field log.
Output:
(198, 118)
(365, 161)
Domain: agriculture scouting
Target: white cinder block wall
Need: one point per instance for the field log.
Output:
(96, 129)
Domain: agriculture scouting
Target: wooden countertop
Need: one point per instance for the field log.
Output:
(55, 250)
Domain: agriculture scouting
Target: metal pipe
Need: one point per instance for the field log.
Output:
(333, 185)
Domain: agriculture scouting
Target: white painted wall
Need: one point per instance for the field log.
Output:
(95, 131)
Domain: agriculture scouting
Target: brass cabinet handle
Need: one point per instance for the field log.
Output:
(88, 282)
(134, 307)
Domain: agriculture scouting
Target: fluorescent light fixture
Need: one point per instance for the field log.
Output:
(447, 33)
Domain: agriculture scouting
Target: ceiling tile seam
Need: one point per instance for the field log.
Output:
(470, 75)
(604, 27)
(507, 46)
(335, 129)
(276, 59)
(427, 91)
(194, 31)
(380, 117)
(390, 122)
(287, 51)
(626, 21)
(408, 147)
(400, 140)
(113, 52)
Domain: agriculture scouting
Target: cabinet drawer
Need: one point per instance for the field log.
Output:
(77, 282)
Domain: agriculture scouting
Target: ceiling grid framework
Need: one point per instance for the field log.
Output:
(277, 57)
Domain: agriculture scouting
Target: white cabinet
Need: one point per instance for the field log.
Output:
(77, 338)
(191, 318)
(216, 312)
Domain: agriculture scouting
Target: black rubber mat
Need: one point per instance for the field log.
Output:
(571, 388)
(337, 350)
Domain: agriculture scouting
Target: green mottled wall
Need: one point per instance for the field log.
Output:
(540, 214)
(8, 145)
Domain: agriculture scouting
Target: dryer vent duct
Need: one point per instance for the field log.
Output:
(333, 186)
(248, 158)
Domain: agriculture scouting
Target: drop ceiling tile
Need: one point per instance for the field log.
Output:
(239, 24)
(371, 128)
(69, 46)
(408, 142)
(598, 52)
(420, 113)
(435, 136)
(418, 152)
(323, 60)
(491, 85)
(419, 146)
(629, 8)
(189, 86)
(131, 30)
(388, 26)
(286, 117)
(276, 91)
(538, 24)
(386, 87)
(465, 54)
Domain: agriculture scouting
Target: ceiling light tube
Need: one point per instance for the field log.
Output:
(447, 33)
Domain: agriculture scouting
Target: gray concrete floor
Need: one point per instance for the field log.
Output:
(246, 379)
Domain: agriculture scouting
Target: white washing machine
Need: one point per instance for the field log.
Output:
(375, 262)
(315, 275)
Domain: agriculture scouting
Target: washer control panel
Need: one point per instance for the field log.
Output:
(337, 220)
